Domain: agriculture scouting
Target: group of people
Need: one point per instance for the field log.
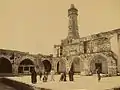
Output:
(62, 77)
(44, 76)
(34, 76)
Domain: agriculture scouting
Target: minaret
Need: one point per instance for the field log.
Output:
(73, 24)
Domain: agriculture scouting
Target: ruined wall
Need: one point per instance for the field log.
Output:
(97, 45)
(16, 58)
(115, 48)
(86, 48)
(118, 52)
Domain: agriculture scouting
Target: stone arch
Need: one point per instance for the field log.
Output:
(5, 65)
(25, 66)
(99, 60)
(47, 65)
(61, 66)
(26, 57)
(76, 65)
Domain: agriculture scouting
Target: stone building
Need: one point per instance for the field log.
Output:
(16, 62)
(85, 54)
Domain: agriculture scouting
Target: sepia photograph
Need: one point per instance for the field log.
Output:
(60, 45)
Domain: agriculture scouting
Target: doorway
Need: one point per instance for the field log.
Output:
(47, 65)
(98, 65)
(5, 66)
(26, 66)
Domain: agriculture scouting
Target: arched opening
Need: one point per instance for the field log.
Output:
(5, 65)
(99, 62)
(58, 68)
(75, 66)
(47, 65)
(61, 67)
(26, 66)
(98, 65)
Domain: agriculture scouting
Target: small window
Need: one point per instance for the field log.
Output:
(61, 50)
(85, 47)
(26, 68)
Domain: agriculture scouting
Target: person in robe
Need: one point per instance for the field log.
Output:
(98, 74)
(33, 76)
(52, 75)
(40, 74)
(64, 74)
(71, 73)
(61, 77)
(45, 77)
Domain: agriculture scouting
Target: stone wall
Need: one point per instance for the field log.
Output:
(16, 57)
(88, 48)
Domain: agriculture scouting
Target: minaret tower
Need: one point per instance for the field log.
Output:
(73, 24)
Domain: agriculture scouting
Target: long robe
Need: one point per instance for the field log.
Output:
(71, 76)
(40, 74)
(98, 73)
(33, 77)
(61, 77)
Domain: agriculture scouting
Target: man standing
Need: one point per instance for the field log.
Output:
(52, 75)
(61, 77)
(98, 73)
(71, 75)
(33, 76)
(40, 73)
(64, 76)
(45, 77)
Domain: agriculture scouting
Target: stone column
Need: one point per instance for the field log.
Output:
(23, 69)
(55, 67)
(109, 68)
(52, 64)
(67, 66)
(14, 69)
(85, 70)
(113, 67)
(29, 69)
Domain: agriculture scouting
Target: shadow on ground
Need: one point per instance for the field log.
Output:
(19, 85)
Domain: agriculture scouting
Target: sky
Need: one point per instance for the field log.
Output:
(34, 26)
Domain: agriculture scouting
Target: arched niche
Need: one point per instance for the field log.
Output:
(5, 65)
(99, 61)
(75, 66)
(26, 66)
(61, 66)
(47, 65)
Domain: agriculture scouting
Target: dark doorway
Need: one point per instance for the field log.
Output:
(58, 71)
(25, 66)
(5, 66)
(61, 67)
(47, 65)
(98, 65)
(72, 67)
(75, 67)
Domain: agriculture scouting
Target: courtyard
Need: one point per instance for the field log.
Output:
(80, 83)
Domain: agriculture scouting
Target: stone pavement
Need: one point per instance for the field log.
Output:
(80, 83)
